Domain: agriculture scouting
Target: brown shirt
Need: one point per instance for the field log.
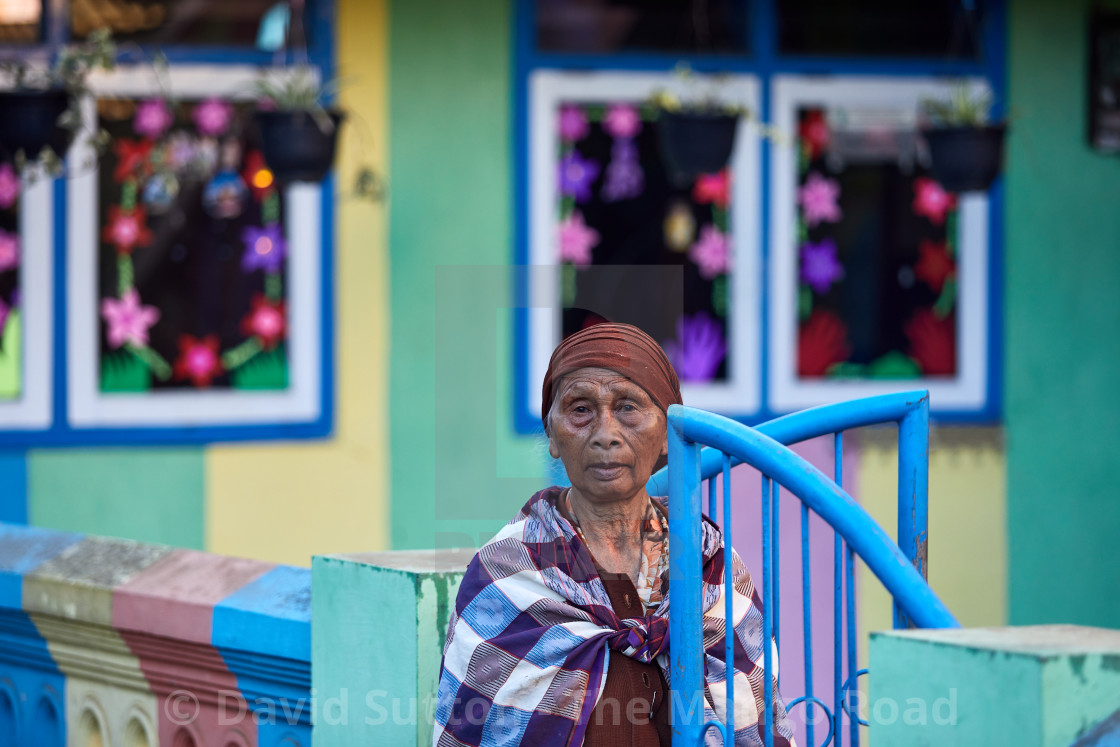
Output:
(634, 708)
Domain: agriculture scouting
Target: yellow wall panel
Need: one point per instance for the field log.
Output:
(286, 502)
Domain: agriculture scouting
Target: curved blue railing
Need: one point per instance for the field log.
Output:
(729, 443)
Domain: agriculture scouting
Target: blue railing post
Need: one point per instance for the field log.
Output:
(913, 491)
(686, 643)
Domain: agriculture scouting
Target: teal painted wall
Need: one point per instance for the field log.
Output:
(151, 495)
(458, 471)
(1062, 319)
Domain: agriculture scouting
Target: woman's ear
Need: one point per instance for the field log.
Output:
(552, 450)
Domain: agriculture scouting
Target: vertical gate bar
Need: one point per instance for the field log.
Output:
(913, 492)
(853, 703)
(807, 616)
(767, 620)
(712, 498)
(838, 573)
(729, 604)
(685, 634)
(776, 565)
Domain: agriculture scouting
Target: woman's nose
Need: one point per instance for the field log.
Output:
(606, 433)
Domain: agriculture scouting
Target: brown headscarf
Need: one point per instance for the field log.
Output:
(619, 347)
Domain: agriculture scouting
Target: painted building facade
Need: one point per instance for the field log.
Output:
(423, 455)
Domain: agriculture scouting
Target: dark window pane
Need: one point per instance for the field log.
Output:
(921, 28)
(21, 21)
(620, 208)
(192, 258)
(677, 26)
(11, 347)
(200, 22)
(877, 256)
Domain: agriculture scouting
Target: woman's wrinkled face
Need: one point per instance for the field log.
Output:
(607, 431)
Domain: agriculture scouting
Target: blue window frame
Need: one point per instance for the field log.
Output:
(779, 78)
(47, 414)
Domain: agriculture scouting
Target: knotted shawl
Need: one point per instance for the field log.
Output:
(533, 630)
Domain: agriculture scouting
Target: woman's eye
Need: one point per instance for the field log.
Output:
(628, 407)
(581, 409)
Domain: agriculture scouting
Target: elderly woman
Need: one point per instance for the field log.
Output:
(560, 634)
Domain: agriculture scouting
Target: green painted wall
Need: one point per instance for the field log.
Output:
(458, 471)
(1062, 316)
(151, 495)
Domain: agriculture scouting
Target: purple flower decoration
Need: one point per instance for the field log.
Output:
(711, 253)
(576, 176)
(152, 118)
(576, 240)
(572, 124)
(9, 250)
(622, 120)
(9, 186)
(625, 178)
(818, 198)
(265, 249)
(212, 117)
(820, 267)
(698, 349)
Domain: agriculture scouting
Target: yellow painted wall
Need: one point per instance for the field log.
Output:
(286, 502)
(967, 526)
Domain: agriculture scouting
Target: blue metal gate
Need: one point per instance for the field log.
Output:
(704, 446)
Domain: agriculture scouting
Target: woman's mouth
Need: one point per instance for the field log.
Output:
(607, 470)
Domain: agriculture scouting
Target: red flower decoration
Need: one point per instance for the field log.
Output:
(712, 188)
(127, 229)
(934, 264)
(933, 343)
(932, 201)
(257, 175)
(266, 320)
(814, 134)
(198, 360)
(133, 159)
(822, 341)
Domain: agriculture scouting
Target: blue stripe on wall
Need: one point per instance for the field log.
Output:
(13, 487)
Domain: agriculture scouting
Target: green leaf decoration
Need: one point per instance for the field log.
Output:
(802, 232)
(947, 301)
(804, 302)
(847, 370)
(719, 296)
(894, 365)
(266, 370)
(719, 218)
(567, 285)
(594, 112)
(11, 348)
(121, 371)
(567, 205)
(951, 233)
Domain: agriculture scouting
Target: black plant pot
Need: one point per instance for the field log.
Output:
(294, 146)
(694, 144)
(966, 159)
(29, 122)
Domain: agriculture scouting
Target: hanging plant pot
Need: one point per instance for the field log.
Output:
(694, 143)
(29, 122)
(965, 159)
(295, 148)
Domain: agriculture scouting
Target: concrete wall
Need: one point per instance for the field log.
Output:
(1061, 313)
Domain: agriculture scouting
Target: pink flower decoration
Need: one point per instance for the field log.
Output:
(128, 320)
(818, 198)
(622, 120)
(152, 118)
(198, 360)
(711, 253)
(576, 240)
(932, 201)
(212, 117)
(266, 320)
(573, 124)
(712, 188)
(9, 250)
(9, 186)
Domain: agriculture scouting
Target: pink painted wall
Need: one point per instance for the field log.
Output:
(746, 538)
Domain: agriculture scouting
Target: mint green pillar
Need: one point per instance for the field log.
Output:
(379, 621)
(1034, 686)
